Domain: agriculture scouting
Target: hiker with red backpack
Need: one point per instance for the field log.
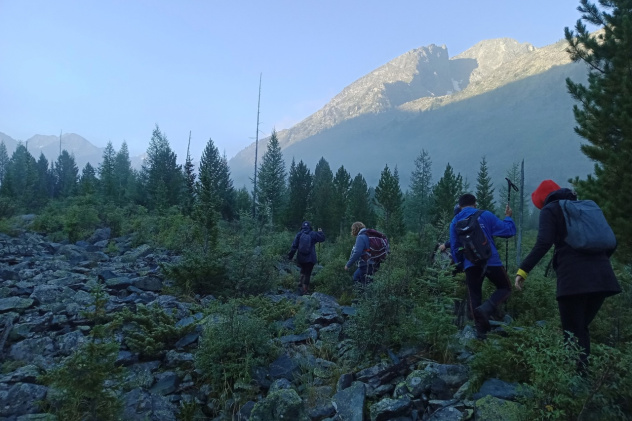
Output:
(583, 243)
(370, 249)
(472, 232)
(304, 246)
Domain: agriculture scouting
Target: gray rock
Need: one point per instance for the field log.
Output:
(70, 342)
(330, 334)
(387, 408)
(20, 399)
(144, 406)
(447, 414)
(283, 367)
(490, 408)
(349, 403)
(166, 383)
(279, 384)
(284, 404)
(148, 283)
(15, 304)
(498, 389)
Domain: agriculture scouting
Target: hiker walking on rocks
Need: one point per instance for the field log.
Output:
(584, 278)
(365, 254)
(304, 246)
(471, 241)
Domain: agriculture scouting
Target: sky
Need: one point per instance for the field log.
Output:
(111, 70)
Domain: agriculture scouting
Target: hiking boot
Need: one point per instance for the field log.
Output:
(481, 318)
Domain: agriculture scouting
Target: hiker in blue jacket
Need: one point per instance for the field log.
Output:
(305, 244)
(360, 254)
(493, 268)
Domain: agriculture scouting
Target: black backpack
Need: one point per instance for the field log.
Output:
(304, 246)
(476, 246)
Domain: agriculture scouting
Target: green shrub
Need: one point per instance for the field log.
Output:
(232, 344)
(199, 273)
(150, 331)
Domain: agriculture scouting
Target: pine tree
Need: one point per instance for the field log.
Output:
(4, 160)
(446, 194)
(66, 175)
(160, 174)
(107, 173)
(299, 190)
(340, 199)
(419, 198)
(46, 180)
(321, 198)
(207, 192)
(243, 201)
(390, 200)
(271, 182)
(226, 191)
(603, 114)
(484, 190)
(360, 207)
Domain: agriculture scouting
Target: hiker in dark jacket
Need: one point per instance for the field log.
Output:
(306, 260)
(583, 280)
(360, 254)
(493, 268)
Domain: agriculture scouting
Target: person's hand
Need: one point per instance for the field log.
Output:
(519, 282)
(442, 247)
(320, 229)
(346, 268)
(508, 211)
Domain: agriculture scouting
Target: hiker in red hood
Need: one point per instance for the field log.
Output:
(583, 280)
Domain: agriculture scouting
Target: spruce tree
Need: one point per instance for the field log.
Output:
(125, 177)
(4, 160)
(419, 198)
(340, 199)
(321, 199)
(207, 192)
(226, 190)
(66, 175)
(21, 180)
(271, 182)
(299, 190)
(484, 188)
(603, 113)
(390, 201)
(46, 180)
(360, 207)
(107, 173)
(88, 182)
(446, 194)
(189, 182)
(161, 175)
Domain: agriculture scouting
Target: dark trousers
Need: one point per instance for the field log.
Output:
(306, 273)
(474, 277)
(576, 313)
(361, 273)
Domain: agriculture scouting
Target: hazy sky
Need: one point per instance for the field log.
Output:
(111, 70)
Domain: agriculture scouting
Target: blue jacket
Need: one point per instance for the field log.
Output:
(316, 236)
(492, 227)
(360, 249)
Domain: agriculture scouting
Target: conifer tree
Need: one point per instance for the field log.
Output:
(124, 175)
(340, 198)
(419, 200)
(207, 192)
(390, 200)
(271, 182)
(321, 198)
(360, 206)
(189, 182)
(46, 180)
(161, 175)
(484, 188)
(243, 201)
(107, 173)
(446, 194)
(299, 190)
(21, 179)
(603, 111)
(66, 175)
(88, 182)
(4, 160)
(226, 190)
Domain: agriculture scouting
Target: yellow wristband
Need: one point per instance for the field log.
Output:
(522, 273)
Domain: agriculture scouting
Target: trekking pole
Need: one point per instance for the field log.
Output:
(510, 186)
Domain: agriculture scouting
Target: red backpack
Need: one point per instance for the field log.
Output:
(379, 247)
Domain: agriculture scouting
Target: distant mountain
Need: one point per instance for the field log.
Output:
(49, 145)
(500, 99)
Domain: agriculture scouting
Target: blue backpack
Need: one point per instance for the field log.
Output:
(586, 227)
(304, 246)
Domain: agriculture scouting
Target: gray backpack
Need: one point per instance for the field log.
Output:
(587, 228)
